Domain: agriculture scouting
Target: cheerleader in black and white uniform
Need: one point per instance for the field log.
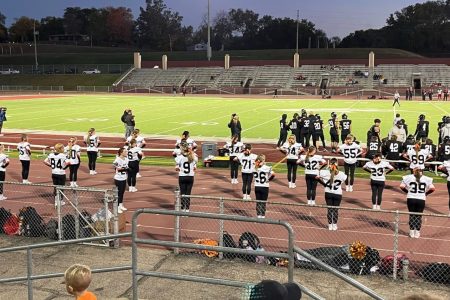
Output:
(186, 165)
(140, 143)
(120, 177)
(445, 168)
(312, 163)
(378, 169)
(247, 160)
(58, 162)
(417, 157)
(4, 162)
(134, 156)
(292, 149)
(262, 174)
(92, 142)
(24, 149)
(72, 151)
(234, 148)
(351, 151)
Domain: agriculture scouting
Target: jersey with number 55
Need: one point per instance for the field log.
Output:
(350, 152)
(186, 168)
(417, 190)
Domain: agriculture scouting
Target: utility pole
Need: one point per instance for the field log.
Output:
(209, 50)
(35, 46)
(298, 15)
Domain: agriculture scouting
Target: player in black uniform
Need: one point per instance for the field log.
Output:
(318, 132)
(346, 127)
(444, 149)
(439, 127)
(432, 149)
(393, 151)
(408, 145)
(334, 132)
(373, 147)
(305, 135)
(374, 130)
(294, 126)
(283, 131)
(422, 129)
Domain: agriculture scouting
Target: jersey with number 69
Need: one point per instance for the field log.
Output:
(350, 152)
(313, 164)
(73, 154)
(185, 167)
(417, 190)
(292, 151)
(24, 150)
(120, 164)
(262, 175)
(57, 162)
(247, 162)
(418, 159)
(335, 186)
(377, 171)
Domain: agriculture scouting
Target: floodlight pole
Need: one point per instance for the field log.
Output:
(208, 51)
(298, 16)
(35, 47)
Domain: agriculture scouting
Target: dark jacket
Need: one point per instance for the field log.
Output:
(2, 116)
(129, 120)
(235, 127)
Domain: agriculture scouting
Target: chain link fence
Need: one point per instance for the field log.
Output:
(59, 213)
(367, 242)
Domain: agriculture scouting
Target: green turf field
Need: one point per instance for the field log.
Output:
(204, 117)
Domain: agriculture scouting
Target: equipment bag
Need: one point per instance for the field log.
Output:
(85, 220)
(436, 272)
(228, 241)
(387, 264)
(51, 229)
(363, 266)
(68, 227)
(4, 216)
(32, 222)
(12, 225)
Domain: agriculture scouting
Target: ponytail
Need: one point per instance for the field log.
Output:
(417, 147)
(310, 152)
(89, 135)
(418, 174)
(334, 169)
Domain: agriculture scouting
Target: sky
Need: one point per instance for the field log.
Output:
(335, 17)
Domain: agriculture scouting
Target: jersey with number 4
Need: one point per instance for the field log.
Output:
(234, 149)
(24, 150)
(313, 164)
(262, 175)
(377, 171)
(247, 162)
(57, 162)
(418, 159)
(350, 152)
(73, 154)
(335, 186)
(92, 143)
(292, 151)
(121, 166)
(185, 167)
(417, 190)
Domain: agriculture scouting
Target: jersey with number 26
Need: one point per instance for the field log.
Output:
(185, 167)
(417, 190)
(262, 175)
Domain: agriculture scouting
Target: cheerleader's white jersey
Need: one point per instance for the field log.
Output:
(185, 167)
(140, 141)
(92, 143)
(24, 149)
(262, 175)
(247, 162)
(3, 160)
(334, 187)
(73, 154)
(134, 153)
(292, 151)
(120, 163)
(313, 164)
(377, 171)
(418, 159)
(350, 152)
(57, 161)
(234, 149)
(417, 190)
(188, 141)
(446, 165)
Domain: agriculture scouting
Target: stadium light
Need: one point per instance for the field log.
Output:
(298, 16)
(35, 47)
(209, 51)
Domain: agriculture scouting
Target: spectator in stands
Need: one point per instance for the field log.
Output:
(430, 94)
(174, 90)
(77, 279)
(424, 95)
(183, 91)
(235, 126)
(439, 93)
(2, 118)
(273, 290)
(445, 93)
(130, 123)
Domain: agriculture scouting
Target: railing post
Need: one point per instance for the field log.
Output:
(221, 226)
(29, 274)
(396, 226)
(291, 254)
(176, 232)
(115, 213)
(405, 269)
(77, 214)
(58, 209)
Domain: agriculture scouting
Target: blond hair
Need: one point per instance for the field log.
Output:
(24, 137)
(261, 159)
(59, 148)
(310, 151)
(90, 132)
(292, 139)
(77, 278)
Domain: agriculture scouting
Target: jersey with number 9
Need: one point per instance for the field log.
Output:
(185, 167)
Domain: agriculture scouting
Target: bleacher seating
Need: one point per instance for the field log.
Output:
(236, 76)
(273, 76)
(205, 76)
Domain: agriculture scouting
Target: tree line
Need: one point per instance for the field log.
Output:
(421, 28)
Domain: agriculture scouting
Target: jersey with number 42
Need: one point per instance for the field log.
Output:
(417, 190)
(335, 186)
(185, 167)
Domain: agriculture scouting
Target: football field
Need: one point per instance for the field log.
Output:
(204, 117)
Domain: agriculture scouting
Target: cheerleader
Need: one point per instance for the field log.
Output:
(24, 149)
(417, 157)
(185, 137)
(312, 163)
(262, 174)
(72, 151)
(292, 149)
(58, 161)
(234, 148)
(134, 156)
(186, 164)
(332, 180)
(351, 151)
(417, 186)
(378, 169)
(120, 177)
(92, 142)
(140, 143)
(247, 160)
(4, 162)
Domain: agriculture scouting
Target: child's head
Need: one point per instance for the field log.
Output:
(77, 279)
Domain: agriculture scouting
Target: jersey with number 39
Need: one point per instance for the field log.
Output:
(262, 175)
(185, 167)
(417, 190)
(335, 186)
(350, 152)
(57, 162)
(24, 150)
(292, 151)
(377, 171)
(73, 154)
(313, 164)
(247, 162)
(418, 159)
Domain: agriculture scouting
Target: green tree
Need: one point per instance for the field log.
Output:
(119, 25)
(22, 29)
(50, 26)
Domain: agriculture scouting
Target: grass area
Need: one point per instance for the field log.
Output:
(51, 54)
(69, 81)
(204, 116)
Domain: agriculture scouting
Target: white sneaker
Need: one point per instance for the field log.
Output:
(293, 185)
(95, 172)
(244, 197)
(374, 206)
(91, 172)
(330, 227)
(290, 185)
(3, 197)
(334, 226)
(232, 180)
(122, 207)
(119, 209)
(187, 210)
(261, 217)
(378, 207)
(138, 175)
(309, 202)
(412, 234)
(417, 234)
(248, 197)
(134, 189)
(75, 184)
(351, 188)
(347, 188)
(130, 189)
(313, 202)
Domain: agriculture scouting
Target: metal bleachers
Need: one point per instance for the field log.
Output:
(273, 76)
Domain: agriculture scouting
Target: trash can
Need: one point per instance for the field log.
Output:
(209, 149)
